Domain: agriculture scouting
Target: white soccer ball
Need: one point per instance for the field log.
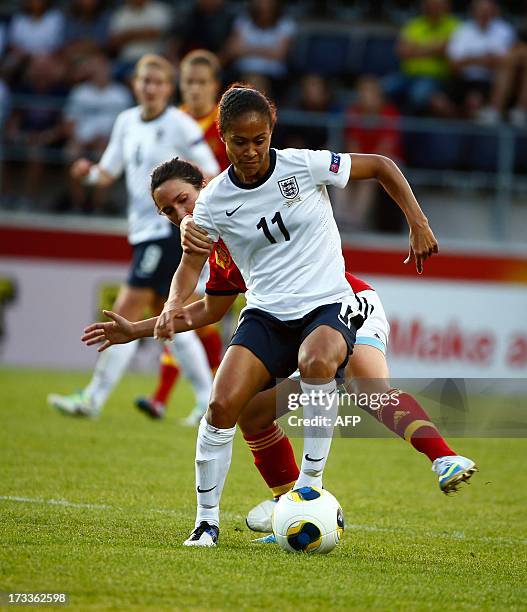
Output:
(308, 520)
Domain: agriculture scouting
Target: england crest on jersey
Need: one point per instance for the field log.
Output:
(289, 187)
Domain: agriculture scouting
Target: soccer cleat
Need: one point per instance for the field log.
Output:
(193, 418)
(204, 534)
(76, 404)
(155, 410)
(261, 516)
(268, 539)
(452, 471)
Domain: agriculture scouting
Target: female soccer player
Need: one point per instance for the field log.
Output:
(199, 84)
(142, 137)
(175, 187)
(272, 210)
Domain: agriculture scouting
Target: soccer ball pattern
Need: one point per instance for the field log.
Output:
(308, 520)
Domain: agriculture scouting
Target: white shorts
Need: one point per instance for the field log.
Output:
(375, 329)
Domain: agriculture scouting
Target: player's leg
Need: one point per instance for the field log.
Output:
(367, 372)
(155, 405)
(132, 303)
(321, 354)
(273, 454)
(240, 376)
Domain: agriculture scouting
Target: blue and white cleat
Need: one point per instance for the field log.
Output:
(261, 516)
(268, 539)
(452, 470)
(205, 534)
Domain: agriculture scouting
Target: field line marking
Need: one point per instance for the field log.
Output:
(456, 535)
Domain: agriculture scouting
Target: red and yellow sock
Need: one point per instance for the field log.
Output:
(405, 417)
(168, 375)
(274, 458)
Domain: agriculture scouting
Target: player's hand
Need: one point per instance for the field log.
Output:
(80, 168)
(423, 244)
(173, 310)
(117, 331)
(193, 238)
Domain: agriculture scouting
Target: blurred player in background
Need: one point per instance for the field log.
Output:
(199, 83)
(176, 184)
(142, 137)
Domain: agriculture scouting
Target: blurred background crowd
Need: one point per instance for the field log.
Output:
(438, 85)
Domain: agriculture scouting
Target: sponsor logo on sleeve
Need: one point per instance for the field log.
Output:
(335, 163)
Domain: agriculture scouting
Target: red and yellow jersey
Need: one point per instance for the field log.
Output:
(212, 135)
(225, 278)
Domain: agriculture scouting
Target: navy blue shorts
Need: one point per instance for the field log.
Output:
(154, 263)
(276, 343)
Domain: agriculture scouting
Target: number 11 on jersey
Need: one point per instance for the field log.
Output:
(262, 224)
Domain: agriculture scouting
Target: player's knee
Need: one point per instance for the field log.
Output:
(222, 413)
(253, 424)
(314, 364)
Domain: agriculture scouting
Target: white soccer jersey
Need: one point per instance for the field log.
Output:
(136, 146)
(281, 232)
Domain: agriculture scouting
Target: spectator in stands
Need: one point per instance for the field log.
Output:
(87, 26)
(422, 50)
(510, 86)
(208, 25)
(91, 110)
(373, 128)
(3, 37)
(38, 28)
(136, 29)
(476, 50)
(314, 96)
(260, 42)
(4, 102)
(35, 128)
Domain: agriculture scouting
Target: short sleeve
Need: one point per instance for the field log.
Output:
(218, 284)
(203, 219)
(197, 149)
(112, 160)
(328, 168)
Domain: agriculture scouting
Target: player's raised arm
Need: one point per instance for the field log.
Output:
(423, 243)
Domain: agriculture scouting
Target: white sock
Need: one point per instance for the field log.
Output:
(213, 459)
(108, 371)
(193, 360)
(317, 439)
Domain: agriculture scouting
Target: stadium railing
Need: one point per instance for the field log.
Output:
(437, 153)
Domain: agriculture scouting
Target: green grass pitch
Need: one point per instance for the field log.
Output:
(99, 509)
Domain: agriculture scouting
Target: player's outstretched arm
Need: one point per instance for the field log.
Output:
(183, 285)
(117, 331)
(120, 330)
(208, 310)
(423, 243)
